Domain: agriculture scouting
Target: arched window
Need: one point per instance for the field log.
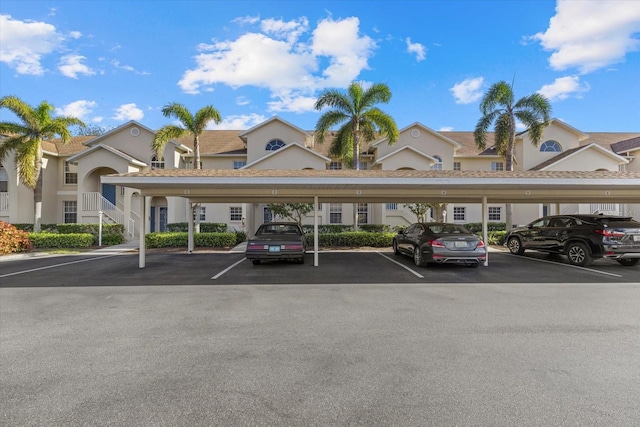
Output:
(4, 180)
(436, 166)
(550, 147)
(274, 145)
(157, 164)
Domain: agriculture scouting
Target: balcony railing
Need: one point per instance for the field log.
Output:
(95, 202)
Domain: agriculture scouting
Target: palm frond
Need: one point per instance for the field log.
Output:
(164, 135)
(180, 112)
(204, 116)
(326, 121)
(20, 108)
(503, 132)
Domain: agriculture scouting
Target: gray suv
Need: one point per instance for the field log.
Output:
(580, 237)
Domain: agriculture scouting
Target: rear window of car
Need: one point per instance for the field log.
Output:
(448, 229)
(618, 222)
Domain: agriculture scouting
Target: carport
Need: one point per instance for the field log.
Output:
(376, 186)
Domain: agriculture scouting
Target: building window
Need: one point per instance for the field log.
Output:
(459, 214)
(157, 164)
(189, 164)
(457, 166)
(551, 147)
(200, 214)
(70, 173)
(4, 180)
(363, 213)
(438, 165)
(237, 164)
(497, 166)
(391, 206)
(495, 214)
(70, 212)
(363, 166)
(335, 213)
(274, 144)
(235, 213)
(334, 166)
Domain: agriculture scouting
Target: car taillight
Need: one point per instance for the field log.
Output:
(609, 233)
(480, 244)
(436, 243)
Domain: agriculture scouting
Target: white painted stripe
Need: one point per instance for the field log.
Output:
(226, 269)
(568, 265)
(56, 265)
(415, 273)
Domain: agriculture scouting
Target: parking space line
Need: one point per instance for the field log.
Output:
(226, 269)
(415, 273)
(55, 266)
(567, 265)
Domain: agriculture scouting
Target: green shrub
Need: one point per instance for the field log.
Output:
(327, 228)
(57, 240)
(375, 228)
(181, 239)
(352, 239)
(110, 232)
(13, 239)
(476, 227)
(205, 227)
(241, 236)
(25, 227)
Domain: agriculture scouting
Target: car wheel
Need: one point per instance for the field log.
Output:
(515, 246)
(628, 262)
(396, 251)
(578, 254)
(255, 261)
(417, 257)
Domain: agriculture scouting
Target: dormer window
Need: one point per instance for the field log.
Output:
(157, 164)
(438, 165)
(274, 144)
(550, 147)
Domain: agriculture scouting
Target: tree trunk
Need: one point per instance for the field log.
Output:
(508, 207)
(196, 152)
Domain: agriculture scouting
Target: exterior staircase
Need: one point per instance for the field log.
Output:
(95, 202)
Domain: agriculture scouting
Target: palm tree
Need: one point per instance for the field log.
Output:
(498, 106)
(191, 125)
(362, 120)
(25, 140)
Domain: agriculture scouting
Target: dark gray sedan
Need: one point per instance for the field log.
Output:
(277, 241)
(439, 242)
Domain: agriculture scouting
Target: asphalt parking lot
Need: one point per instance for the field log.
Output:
(362, 339)
(344, 267)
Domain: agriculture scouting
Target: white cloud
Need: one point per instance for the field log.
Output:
(71, 66)
(24, 43)
(75, 34)
(247, 20)
(445, 129)
(117, 64)
(128, 112)
(288, 101)
(79, 109)
(238, 122)
(416, 48)
(589, 35)
(279, 60)
(242, 100)
(467, 91)
(564, 87)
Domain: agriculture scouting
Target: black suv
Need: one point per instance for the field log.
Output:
(580, 237)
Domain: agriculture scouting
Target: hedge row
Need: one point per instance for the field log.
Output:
(352, 239)
(56, 240)
(205, 227)
(180, 239)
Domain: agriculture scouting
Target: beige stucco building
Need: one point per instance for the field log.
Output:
(73, 191)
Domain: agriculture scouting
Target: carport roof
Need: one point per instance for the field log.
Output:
(381, 186)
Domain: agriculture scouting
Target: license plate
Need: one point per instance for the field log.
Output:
(274, 248)
(636, 238)
(460, 244)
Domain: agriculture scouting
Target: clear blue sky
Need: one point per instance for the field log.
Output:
(108, 62)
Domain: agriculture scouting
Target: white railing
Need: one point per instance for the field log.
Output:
(4, 201)
(95, 202)
(605, 208)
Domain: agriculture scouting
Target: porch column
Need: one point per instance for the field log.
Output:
(144, 226)
(190, 222)
(315, 231)
(485, 227)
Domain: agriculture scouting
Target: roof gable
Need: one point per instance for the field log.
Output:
(287, 149)
(407, 148)
(244, 134)
(565, 156)
(414, 125)
(112, 150)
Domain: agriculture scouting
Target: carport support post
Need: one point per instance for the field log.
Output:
(315, 231)
(190, 227)
(144, 224)
(485, 232)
